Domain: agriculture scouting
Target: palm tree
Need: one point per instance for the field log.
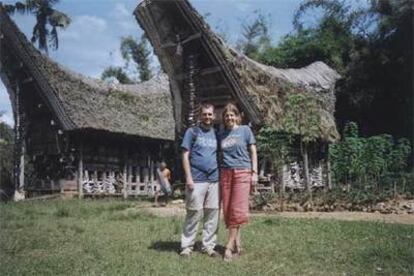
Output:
(46, 17)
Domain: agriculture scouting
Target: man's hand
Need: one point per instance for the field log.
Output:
(190, 184)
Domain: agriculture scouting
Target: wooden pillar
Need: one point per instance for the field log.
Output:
(151, 170)
(285, 169)
(145, 172)
(18, 174)
(138, 172)
(329, 176)
(125, 180)
(135, 171)
(130, 174)
(80, 171)
(21, 166)
(262, 167)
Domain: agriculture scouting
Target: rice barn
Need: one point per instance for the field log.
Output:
(82, 135)
(201, 67)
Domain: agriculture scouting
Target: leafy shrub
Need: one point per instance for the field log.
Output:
(373, 163)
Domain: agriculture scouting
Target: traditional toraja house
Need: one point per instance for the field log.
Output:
(82, 134)
(202, 67)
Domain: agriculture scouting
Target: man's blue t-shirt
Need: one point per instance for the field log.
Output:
(202, 145)
(235, 147)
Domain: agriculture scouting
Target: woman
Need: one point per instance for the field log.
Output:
(237, 175)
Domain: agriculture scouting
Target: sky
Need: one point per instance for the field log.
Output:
(91, 42)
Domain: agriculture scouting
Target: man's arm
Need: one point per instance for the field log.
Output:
(187, 170)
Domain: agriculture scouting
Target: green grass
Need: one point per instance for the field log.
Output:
(109, 237)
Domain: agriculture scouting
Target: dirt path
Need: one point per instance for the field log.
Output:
(348, 216)
(179, 210)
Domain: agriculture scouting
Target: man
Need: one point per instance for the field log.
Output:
(202, 189)
(164, 181)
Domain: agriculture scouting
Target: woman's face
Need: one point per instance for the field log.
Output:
(230, 119)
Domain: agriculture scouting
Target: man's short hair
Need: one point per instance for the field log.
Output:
(205, 106)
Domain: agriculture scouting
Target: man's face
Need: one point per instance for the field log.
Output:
(207, 116)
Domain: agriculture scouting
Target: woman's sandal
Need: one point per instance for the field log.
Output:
(228, 255)
(238, 250)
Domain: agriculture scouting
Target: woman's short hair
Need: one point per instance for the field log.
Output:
(231, 107)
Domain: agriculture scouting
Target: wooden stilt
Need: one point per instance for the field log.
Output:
(125, 179)
(80, 172)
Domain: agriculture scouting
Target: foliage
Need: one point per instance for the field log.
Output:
(6, 157)
(370, 45)
(136, 52)
(262, 199)
(373, 162)
(301, 117)
(117, 73)
(139, 53)
(329, 43)
(275, 146)
(301, 120)
(256, 38)
(46, 17)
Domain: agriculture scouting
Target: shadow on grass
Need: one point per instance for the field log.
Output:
(173, 246)
(170, 246)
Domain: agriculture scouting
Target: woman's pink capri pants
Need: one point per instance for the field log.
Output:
(235, 188)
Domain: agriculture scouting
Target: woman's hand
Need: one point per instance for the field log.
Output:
(255, 178)
(254, 182)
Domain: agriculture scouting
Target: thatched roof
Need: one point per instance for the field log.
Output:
(225, 74)
(83, 103)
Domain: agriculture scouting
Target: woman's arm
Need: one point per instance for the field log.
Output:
(253, 156)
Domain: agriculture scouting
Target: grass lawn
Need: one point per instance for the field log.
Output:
(111, 237)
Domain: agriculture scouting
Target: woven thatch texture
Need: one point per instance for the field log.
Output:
(268, 88)
(143, 110)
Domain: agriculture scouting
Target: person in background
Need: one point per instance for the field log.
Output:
(164, 183)
(202, 192)
(238, 175)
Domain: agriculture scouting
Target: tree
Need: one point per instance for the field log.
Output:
(256, 37)
(275, 146)
(372, 48)
(46, 17)
(139, 53)
(330, 43)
